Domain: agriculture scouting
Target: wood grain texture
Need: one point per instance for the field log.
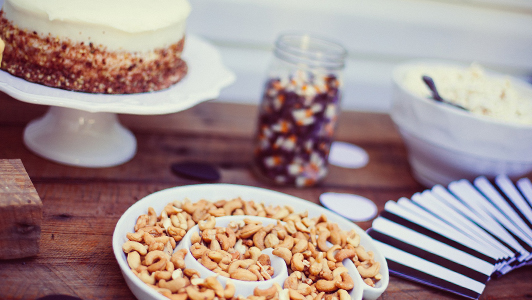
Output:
(81, 206)
(20, 212)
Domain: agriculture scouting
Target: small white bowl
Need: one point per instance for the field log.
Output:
(214, 192)
(445, 143)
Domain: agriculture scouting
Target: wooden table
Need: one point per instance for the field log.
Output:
(82, 205)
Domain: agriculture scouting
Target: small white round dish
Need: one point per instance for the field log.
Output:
(347, 155)
(353, 207)
(446, 143)
(81, 129)
(214, 192)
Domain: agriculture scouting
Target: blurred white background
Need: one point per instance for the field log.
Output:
(378, 34)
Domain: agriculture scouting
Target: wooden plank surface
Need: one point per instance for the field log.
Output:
(81, 206)
(20, 212)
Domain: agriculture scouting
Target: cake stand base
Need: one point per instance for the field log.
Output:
(79, 138)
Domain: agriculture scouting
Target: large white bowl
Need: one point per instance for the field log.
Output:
(445, 143)
(214, 192)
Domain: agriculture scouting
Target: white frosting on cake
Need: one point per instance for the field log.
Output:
(130, 25)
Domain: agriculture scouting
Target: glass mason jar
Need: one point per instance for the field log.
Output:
(299, 110)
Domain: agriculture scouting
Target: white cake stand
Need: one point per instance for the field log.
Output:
(82, 129)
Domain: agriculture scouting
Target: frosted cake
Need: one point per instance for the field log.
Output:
(97, 46)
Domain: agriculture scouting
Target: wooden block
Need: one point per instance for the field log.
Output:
(20, 212)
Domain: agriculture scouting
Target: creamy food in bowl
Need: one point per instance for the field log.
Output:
(491, 136)
(472, 88)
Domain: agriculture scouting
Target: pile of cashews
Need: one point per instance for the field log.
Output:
(223, 250)
(313, 249)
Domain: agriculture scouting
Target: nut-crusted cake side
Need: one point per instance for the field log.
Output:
(60, 63)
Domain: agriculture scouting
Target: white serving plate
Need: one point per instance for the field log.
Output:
(214, 192)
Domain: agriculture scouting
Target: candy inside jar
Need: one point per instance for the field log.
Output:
(299, 110)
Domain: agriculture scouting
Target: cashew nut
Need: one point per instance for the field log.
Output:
(154, 256)
(191, 273)
(339, 270)
(146, 277)
(197, 250)
(229, 291)
(283, 253)
(330, 252)
(163, 275)
(264, 260)
(134, 246)
(158, 265)
(178, 258)
(137, 236)
(369, 272)
(266, 293)
(290, 227)
(179, 221)
(215, 245)
(281, 214)
(343, 295)
(292, 282)
(369, 282)
(319, 296)
(230, 206)
(152, 216)
(315, 268)
(195, 294)
(295, 295)
(231, 237)
(258, 239)
(323, 235)
(271, 240)
(208, 235)
(171, 209)
(199, 214)
(214, 284)
(255, 269)
(249, 230)
(142, 221)
(346, 283)
(301, 227)
(345, 253)
(133, 259)
(308, 222)
(335, 237)
(176, 232)
(207, 262)
(155, 246)
(254, 253)
(297, 262)
(288, 242)
(283, 295)
(243, 274)
(249, 208)
(327, 286)
(215, 256)
(224, 241)
(210, 223)
(240, 264)
(300, 246)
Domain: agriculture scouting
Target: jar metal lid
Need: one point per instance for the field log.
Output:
(309, 50)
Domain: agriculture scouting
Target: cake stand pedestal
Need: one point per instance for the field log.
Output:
(82, 129)
(80, 138)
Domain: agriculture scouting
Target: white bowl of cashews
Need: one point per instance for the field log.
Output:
(285, 262)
